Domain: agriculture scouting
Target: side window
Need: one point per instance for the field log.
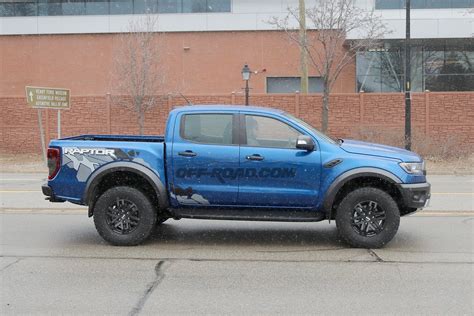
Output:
(207, 128)
(268, 132)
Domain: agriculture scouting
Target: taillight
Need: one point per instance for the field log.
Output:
(53, 162)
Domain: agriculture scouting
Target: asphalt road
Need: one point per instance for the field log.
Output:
(53, 261)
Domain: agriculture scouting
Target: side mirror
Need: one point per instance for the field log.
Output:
(305, 142)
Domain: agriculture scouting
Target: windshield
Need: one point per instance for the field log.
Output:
(312, 129)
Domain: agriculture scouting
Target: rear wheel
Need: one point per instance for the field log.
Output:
(124, 216)
(367, 218)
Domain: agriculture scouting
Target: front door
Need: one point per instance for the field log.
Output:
(205, 152)
(276, 174)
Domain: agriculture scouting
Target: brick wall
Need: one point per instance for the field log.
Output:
(437, 116)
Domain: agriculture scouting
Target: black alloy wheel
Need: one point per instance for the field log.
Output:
(123, 216)
(368, 218)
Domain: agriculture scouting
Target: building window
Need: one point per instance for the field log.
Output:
(380, 71)
(103, 7)
(423, 4)
(292, 84)
(434, 68)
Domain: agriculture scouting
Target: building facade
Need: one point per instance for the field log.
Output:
(72, 43)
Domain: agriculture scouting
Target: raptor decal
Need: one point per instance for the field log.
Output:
(86, 160)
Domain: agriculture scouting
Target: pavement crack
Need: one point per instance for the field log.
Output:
(374, 255)
(159, 276)
(10, 264)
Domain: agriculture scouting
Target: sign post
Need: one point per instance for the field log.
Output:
(48, 98)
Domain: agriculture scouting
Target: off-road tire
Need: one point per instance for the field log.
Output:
(348, 218)
(130, 202)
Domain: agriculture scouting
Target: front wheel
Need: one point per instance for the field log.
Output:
(367, 218)
(124, 216)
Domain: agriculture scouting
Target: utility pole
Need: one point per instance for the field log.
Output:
(304, 54)
(408, 79)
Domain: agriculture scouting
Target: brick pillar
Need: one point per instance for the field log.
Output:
(297, 103)
(108, 105)
(361, 107)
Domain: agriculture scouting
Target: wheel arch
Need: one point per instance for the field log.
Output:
(378, 177)
(137, 170)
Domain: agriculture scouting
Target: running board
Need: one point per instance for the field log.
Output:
(273, 215)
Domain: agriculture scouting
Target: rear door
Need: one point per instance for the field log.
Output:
(205, 155)
(276, 174)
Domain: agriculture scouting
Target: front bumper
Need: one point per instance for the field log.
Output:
(48, 191)
(416, 195)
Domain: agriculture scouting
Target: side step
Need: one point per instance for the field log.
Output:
(274, 215)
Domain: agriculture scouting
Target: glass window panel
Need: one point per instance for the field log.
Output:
(292, 84)
(450, 82)
(462, 3)
(218, 6)
(27, 8)
(389, 4)
(369, 83)
(73, 7)
(121, 6)
(417, 69)
(7, 9)
(97, 7)
(434, 61)
(391, 63)
(283, 84)
(438, 4)
(268, 132)
(418, 4)
(145, 6)
(50, 7)
(392, 83)
(195, 6)
(315, 84)
(368, 64)
(459, 62)
(208, 128)
(169, 6)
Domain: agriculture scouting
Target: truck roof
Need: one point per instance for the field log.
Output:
(227, 107)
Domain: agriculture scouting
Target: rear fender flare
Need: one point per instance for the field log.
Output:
(133, 167)
(342, 179)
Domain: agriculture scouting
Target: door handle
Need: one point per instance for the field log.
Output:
(255, 157)
(187, 153)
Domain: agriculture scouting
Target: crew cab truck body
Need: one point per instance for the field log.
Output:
(236, 163)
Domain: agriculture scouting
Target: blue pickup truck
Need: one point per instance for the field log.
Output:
(237, 163)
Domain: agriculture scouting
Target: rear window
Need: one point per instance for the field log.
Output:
(207, 128)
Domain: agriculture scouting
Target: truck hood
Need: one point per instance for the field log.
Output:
(372, 149)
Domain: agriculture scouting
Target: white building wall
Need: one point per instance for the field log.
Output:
(246, 15)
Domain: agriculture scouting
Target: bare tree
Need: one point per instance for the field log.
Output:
(137, 71)
(327, 48)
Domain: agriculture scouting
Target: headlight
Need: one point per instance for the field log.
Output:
(417, 168)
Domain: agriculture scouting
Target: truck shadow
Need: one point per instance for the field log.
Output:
(221, 233)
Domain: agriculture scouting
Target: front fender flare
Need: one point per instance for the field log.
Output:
(342, 179)
(133, 167)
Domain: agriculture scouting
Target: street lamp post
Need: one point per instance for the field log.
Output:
(246, 77)
(407, 79)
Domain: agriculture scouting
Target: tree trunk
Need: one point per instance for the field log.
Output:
(141, 122)
(325, 112)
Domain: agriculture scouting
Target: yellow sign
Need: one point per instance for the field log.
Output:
(48, 98)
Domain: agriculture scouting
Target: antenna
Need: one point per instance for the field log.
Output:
(189, 102)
